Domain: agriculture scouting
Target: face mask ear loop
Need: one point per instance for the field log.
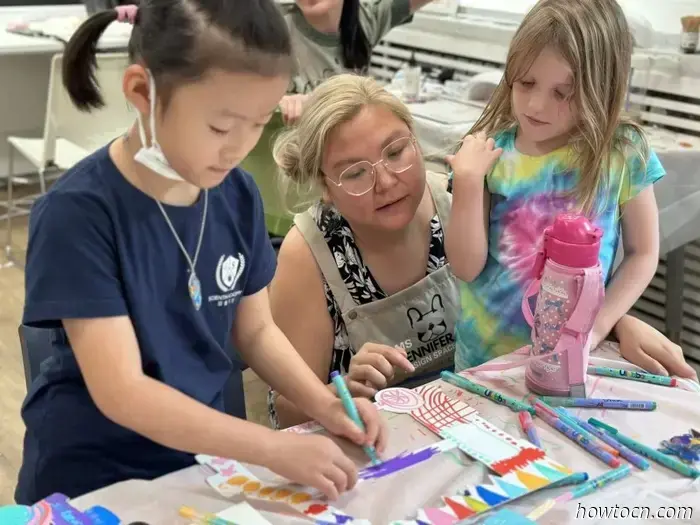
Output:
(152, 118)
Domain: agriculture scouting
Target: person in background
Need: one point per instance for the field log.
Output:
(148, 255)
(553, 139)
(335, 36)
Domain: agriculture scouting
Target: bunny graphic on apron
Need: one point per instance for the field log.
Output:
(420, 319)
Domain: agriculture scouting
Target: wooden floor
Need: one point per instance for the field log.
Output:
(12, 385)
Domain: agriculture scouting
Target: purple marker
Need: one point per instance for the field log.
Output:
(576, 437)
(634, 458)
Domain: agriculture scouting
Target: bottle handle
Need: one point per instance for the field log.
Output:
(531, 291)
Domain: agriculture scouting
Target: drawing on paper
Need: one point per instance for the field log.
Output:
(399, 400)
(305, 428)
(405, 460)
(440, 411)
(519, 468)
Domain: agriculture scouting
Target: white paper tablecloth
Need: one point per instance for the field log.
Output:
(399, 496)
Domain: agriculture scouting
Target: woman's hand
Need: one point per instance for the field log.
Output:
(291, 107)
(474, 159)
(372, 368)
(645, 346)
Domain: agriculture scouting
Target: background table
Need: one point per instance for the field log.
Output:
(400, 495)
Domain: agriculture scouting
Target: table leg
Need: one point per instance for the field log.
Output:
(9, 209)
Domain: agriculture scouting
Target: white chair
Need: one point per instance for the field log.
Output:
(69, 134)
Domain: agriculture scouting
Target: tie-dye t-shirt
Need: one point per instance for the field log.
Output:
(526, 194)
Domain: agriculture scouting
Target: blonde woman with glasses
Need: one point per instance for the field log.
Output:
(362, 276)
(362, 284)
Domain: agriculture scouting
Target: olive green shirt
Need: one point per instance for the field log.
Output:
(319, 55)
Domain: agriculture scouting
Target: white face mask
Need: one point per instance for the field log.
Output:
(152, 156)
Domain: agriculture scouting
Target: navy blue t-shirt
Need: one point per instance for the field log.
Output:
(99, 247)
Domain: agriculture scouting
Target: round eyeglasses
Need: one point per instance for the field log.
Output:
(397, 157)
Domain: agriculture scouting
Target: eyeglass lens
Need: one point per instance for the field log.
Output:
(397, 157)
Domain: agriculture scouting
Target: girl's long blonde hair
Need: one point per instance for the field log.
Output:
(298, 151)
(595, 40)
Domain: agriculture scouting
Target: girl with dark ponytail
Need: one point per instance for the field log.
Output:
(337, 36)
(148, 255)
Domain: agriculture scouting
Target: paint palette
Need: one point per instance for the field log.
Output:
(233, 479)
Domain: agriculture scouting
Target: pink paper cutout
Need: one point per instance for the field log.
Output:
(439, 517)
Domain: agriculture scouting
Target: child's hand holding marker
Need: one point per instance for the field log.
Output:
(317, 461)
(312, 460)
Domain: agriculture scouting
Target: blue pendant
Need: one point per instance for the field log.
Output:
(195, 288)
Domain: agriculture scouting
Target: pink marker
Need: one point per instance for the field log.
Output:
(528, 427)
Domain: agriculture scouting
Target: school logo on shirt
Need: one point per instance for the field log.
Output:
(434, 338)
(228, 271)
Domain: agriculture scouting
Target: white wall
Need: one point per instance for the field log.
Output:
(663, 15)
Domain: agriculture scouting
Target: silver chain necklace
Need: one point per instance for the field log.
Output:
(193, 285)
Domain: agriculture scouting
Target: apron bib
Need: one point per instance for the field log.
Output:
(420, 319)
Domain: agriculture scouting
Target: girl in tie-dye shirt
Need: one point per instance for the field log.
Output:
(557, 141)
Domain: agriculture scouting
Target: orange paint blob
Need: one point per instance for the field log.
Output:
(282, 494)
(300, 497)
(237, 480)
(251, 486)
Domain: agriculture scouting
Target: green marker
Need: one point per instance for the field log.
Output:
(496, 397)
(647, 452)
(633, 375)
(351, 410)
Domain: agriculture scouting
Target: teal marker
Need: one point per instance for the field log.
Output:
(475, 388)
(596, 483)
(574, 479)
(647, 452)
(351, 410)
(633, 375)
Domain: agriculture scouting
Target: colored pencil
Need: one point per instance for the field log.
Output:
(577, 437)
(625, 452)
(475, 388)
(590, 402)
(647, 452)
(644, 377)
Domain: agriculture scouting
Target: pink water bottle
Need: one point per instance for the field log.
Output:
(570, 290)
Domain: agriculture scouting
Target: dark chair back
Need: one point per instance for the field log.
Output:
(37, 346)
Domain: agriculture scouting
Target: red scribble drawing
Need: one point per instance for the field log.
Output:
(440, 411)
(519, 461)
